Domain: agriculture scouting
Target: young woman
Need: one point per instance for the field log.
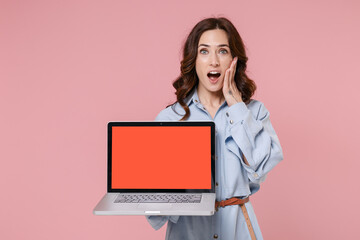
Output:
(213, 85)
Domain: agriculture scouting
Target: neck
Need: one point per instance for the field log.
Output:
(213, 99)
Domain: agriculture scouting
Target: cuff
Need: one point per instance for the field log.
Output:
(157, 221)
(236, 113)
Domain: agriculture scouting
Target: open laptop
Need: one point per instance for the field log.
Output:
(160, 168)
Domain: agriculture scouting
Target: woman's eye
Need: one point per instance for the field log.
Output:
(223, 51)
(203, 51)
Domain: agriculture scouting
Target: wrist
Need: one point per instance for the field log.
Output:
(233, 101)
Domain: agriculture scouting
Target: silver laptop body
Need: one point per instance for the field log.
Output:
(160, 168)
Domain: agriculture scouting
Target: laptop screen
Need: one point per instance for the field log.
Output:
(161, 156)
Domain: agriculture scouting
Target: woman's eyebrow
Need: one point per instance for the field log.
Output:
(220, 45)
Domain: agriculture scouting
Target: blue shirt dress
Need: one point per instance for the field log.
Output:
(241, 130)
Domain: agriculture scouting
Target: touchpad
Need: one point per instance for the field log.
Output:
(154, 207)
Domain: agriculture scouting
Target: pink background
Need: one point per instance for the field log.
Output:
(69, 67)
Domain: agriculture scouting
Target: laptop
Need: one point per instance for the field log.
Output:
(160, 168)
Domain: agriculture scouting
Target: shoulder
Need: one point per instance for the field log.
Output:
(258, 109)
(172, 113)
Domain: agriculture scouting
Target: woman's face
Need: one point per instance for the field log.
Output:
(213, 59)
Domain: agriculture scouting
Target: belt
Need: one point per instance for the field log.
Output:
(241, 202)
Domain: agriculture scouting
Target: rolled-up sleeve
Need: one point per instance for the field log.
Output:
(251, 134)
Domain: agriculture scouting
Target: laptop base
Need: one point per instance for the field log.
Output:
(107, 206)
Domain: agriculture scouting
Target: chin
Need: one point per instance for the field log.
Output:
(214, 89)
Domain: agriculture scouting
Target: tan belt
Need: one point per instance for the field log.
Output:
(241, 202)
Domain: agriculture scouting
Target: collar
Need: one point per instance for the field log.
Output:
(193, 97)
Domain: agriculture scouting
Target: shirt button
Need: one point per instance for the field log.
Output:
(216, 157)
(231, 121)
(256, 175)
(196, 100)
(216, 184)
(227, 114)
(215, 236)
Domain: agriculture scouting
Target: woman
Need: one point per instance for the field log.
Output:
(213, 86)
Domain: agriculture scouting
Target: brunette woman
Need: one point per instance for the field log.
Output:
(213, 85)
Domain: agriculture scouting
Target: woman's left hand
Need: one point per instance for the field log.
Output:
(231, 93)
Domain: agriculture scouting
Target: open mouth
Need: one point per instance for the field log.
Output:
(213, 75)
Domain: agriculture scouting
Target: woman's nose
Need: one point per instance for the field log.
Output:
(214, 60)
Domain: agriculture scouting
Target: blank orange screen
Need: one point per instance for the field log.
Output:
(164, 157)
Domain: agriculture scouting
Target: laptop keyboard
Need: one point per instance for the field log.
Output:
(157, 198)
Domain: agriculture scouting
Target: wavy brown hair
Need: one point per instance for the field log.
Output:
(188, 78)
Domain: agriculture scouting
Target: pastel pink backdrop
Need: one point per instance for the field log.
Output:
(69, 67)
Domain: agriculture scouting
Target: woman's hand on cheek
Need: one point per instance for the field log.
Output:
(231, 93)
